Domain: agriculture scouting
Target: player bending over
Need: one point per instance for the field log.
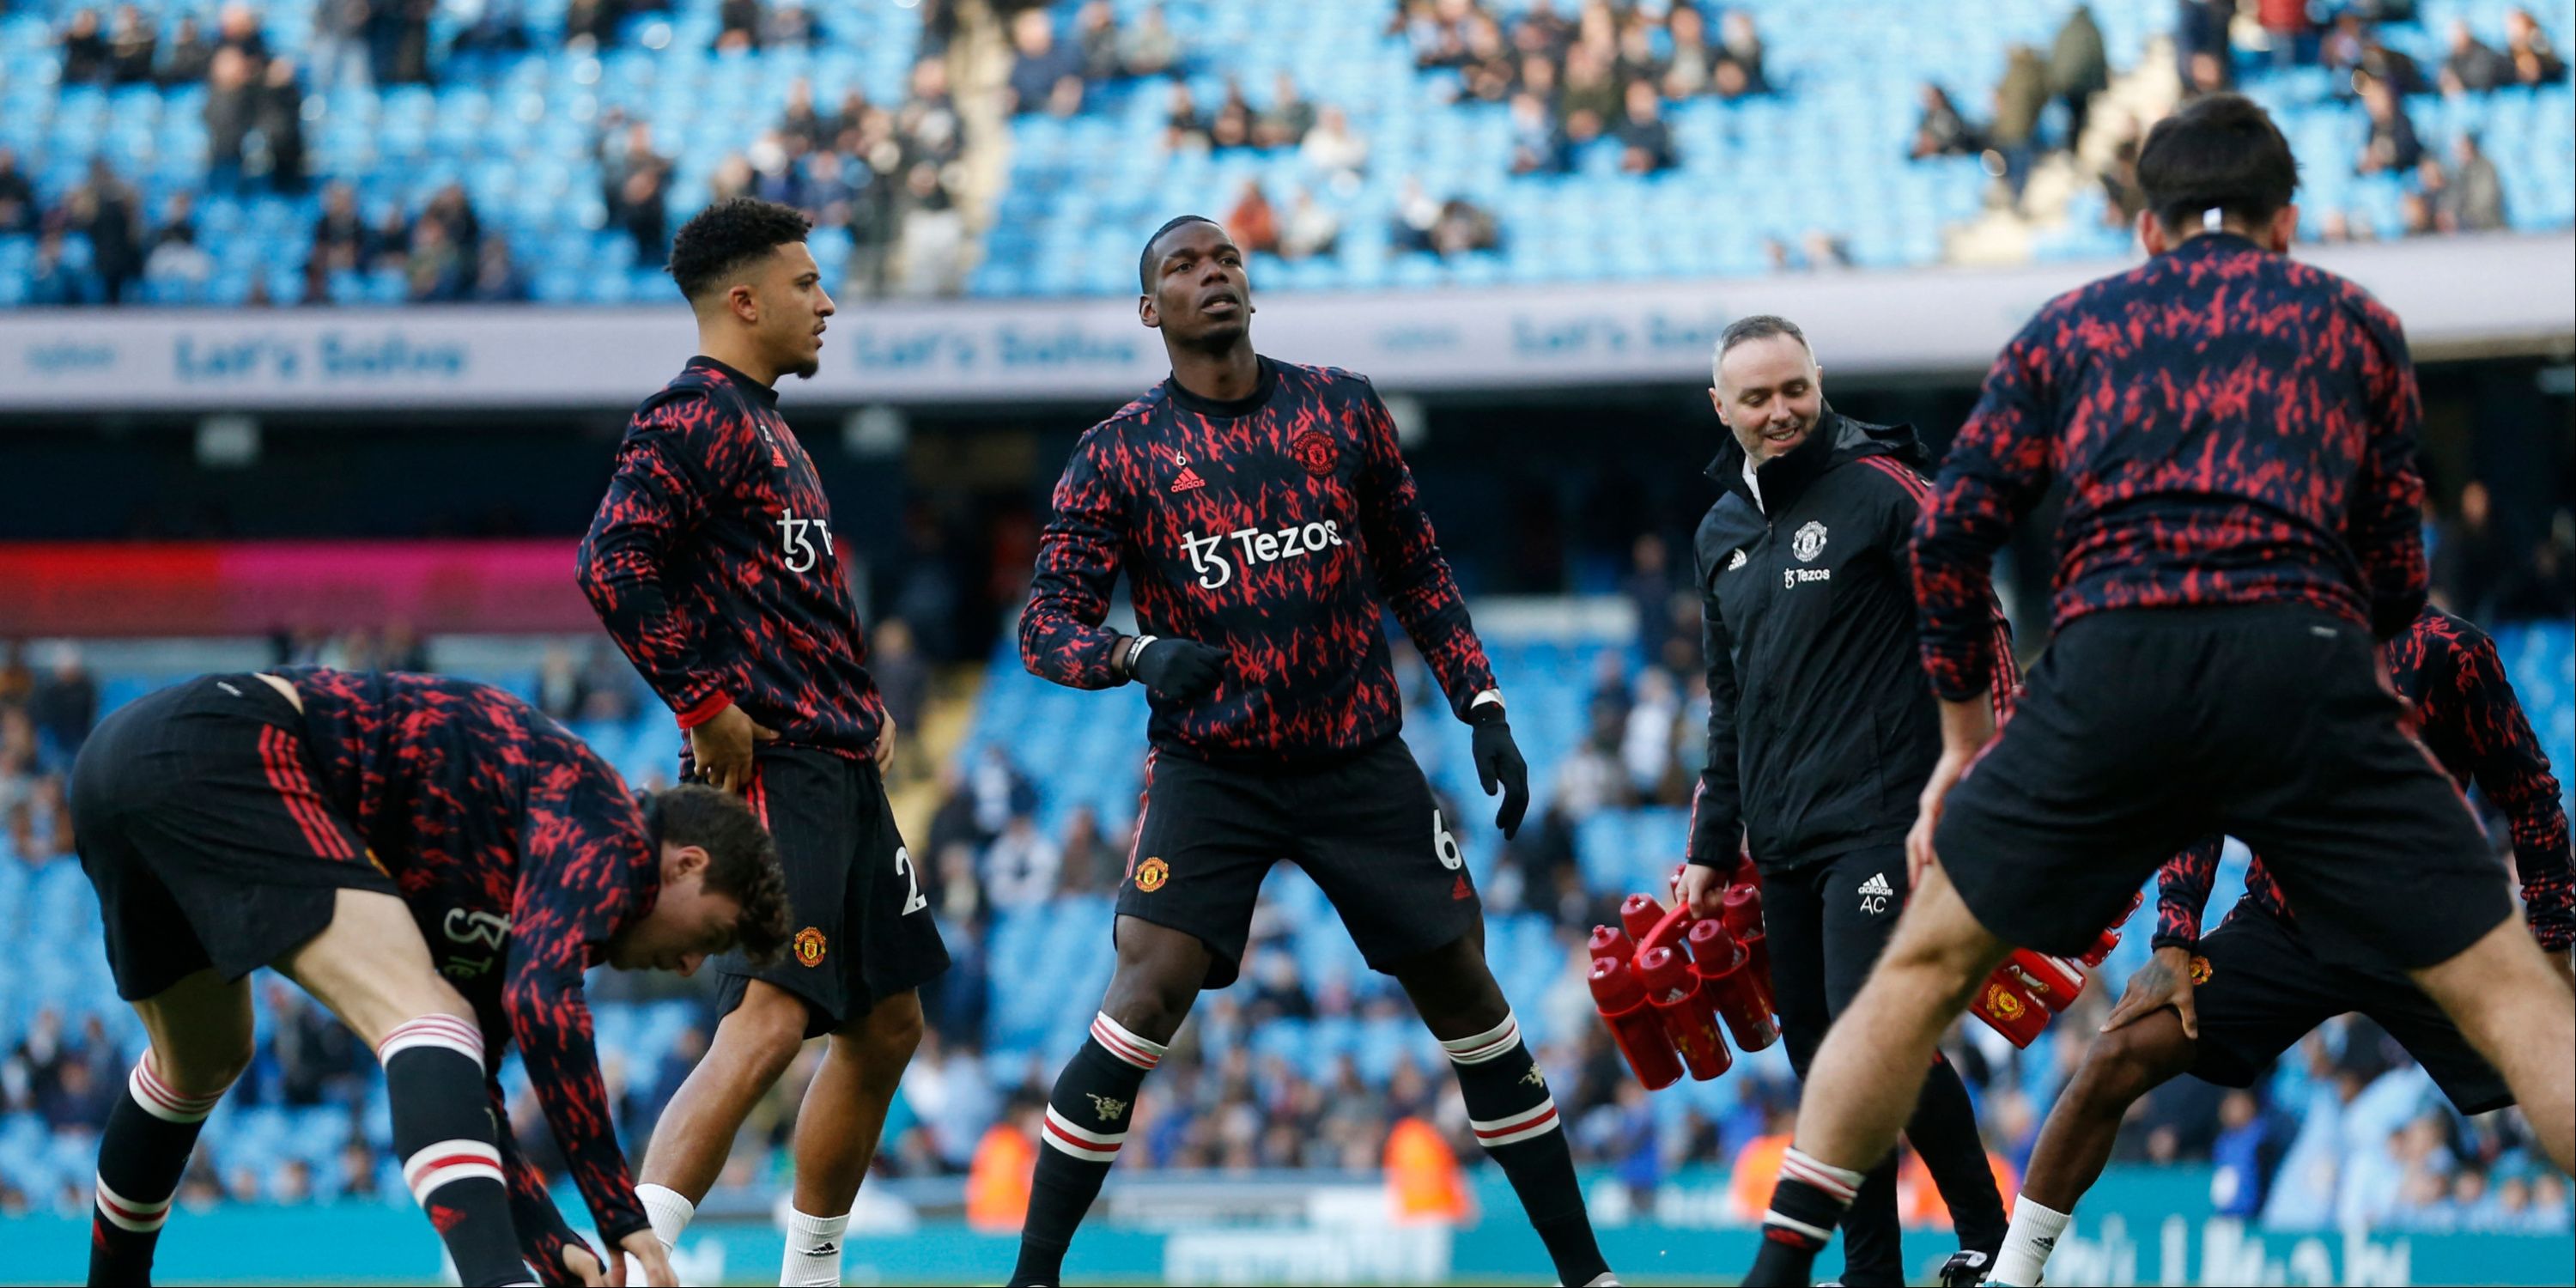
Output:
(1266, 523)
(2224, 1006)
(2242, 526)
(436, 863)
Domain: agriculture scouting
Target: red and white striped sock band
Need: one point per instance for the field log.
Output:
(1129, 1048)
(1537, 1120)
(1080, 1141)
(1492, 1044)
(128, 1215)
(449, 1161)
(445, 1031)
(159, 1100)
(1837, 1183)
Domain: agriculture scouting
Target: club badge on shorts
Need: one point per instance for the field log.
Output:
(809, 947)
(2200, 971)
(1151, 874)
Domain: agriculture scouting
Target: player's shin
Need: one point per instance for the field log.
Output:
(444, 1133)
(1515, 1118)
(1806, 1205)
(1086, 1122)
(150, 1134)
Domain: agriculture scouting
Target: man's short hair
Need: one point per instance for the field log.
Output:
(2221, 152)
(1145, 257)
(742, 860)
(721, 240)
(1758, 326)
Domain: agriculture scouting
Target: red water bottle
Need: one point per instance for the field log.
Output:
(2053, 982)
(1634, 1024)
(2110, 936)
(1610, 941)
(1743, 916)
(1724, 970)
(1682, 1001)
(1638, 914)
(2008, 1008)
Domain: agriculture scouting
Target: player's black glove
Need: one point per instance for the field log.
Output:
(1181, 670)
(1499, 765)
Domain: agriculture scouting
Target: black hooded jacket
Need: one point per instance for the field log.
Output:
(1822, 727)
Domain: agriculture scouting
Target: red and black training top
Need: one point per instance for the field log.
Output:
(2233, 426)
(520, 852)
(1282, 528)
(2468, 717)
(711, 563)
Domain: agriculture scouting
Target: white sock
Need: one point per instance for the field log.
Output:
(813, 1249)
(2027, 1244)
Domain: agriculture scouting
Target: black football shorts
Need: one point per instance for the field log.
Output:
(863, 928)
(2258, 990)
(196, 816)
(1365, 828)
(2144, 729)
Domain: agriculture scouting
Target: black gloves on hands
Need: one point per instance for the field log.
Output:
(1181, 670)
(1499, 765)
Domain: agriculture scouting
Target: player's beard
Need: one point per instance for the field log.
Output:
(805, 369)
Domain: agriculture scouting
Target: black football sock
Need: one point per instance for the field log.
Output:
(144, 1152)
(1086, 1121)
(448, 1142)
(1805, 1206)
(1515, 1119)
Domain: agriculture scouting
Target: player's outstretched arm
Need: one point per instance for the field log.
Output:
(2514, 772)
(1717, 808)
(672, 461)
(1061, 638)
(1994, 473)
(551, 1248)
(1412, 576)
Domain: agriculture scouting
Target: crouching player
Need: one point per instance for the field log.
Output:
(2223, 1007)
(436, 863)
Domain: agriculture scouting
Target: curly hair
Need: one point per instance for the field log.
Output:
(722, 239)
(742, 860)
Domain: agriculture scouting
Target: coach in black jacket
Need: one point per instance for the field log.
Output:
(1822, 732)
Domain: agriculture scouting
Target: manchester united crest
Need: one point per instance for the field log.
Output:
(2200, 971)
(1314, 450)
(1151, 874)
(809, 947)
(2001, 1001)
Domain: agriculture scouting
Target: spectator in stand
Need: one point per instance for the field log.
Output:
(2200, 27)
(1183, 125)
(789, 26)
(592, 23)
(2472, 198)
(1645, 140)
(933, 234)
(927, 127)
(231, 105)
(1149, 48)
(2020, 97)
(738, 25)
(1591, 96)
(18, 207)
(1691, 64)
(52, 281)
(109, 210)
(277, 112)
(398, 40)
(1020, 866)
(497, 279)
(2534, 61)
(1088, 865)
(801, 119)
(338, 47)
(1095, 31)
(85, 50)
(1038, 60)
(2286, 29)
(238, 27)
(1490, 68)
(1232, 127)
(1742, 46)
(1310, 229)
(1464, 227)
(2398, 71)
(2472, 66)
(1538, 143)
(133, 46)
(389, 245)
(435, 271)
(2078, 69)
(1940, 131)
(1417, 218)
(176, 261)
(1253, 223)
(1333, 153)
(1285, 122)
(191, 55)
(2392, 146)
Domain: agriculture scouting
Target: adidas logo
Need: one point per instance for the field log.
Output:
(1189, 481)
(1877, 884)
(826, 1250)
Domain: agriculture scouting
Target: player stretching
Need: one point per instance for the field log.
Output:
(1266, 524)
(2225, 1006)
(711, 562)
(2237, 431)
(367, 834)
